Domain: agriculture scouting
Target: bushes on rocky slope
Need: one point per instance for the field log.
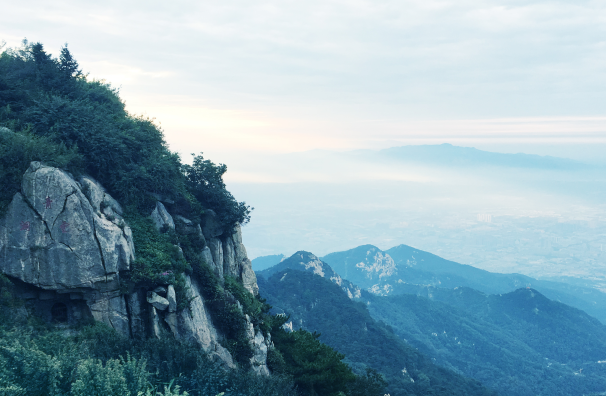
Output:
(97, 361)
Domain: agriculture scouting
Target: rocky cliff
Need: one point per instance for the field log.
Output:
(66, 245)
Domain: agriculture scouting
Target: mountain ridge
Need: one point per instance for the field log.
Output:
(410, 267)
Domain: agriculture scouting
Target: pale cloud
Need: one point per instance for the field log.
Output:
(289, 76)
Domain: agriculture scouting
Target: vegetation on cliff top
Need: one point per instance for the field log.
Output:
(61, 117)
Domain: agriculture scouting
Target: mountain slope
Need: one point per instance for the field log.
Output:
(316, 304)
(520, 343)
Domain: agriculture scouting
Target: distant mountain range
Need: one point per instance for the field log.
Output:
(449, 155)
(508, 335)
(404, 269)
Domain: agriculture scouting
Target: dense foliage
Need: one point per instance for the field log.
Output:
(317, 304)
(204, 180)
(97, 361)
(519, 343)
(318, 368)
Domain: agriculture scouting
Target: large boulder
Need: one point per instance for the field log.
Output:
(53, 238)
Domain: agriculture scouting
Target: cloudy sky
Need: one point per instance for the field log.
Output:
(279, 76)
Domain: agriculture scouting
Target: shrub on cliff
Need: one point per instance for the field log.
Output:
(204, 180)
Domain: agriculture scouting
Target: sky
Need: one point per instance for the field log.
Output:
(235, 77)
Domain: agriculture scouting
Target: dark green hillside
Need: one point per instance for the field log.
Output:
(417, 267)
(317, 304)
(520, 343)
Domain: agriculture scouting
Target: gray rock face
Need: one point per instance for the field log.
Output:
(55, 237)
(216, 250)
(196, 325)
(243, 264)
(185, 226)
(259, 359)
(135, 309)
(161, 217)
(172, 299)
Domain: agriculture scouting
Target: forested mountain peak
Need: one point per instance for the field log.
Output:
(308, 262)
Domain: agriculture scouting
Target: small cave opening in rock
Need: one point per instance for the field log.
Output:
(59, 313)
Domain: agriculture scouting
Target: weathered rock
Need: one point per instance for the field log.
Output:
(249, 279)
(195, 324)
(155, 322)
(110, 308)
(259, 345)
(157, 301)
(171, 296)
(216, 250)
(259, 359)
(52, 238)
(93, 191)
(207, 257)
(135, 310)
(55, 238)
(68, 243)
(230, 266)
(210, 224)
(162, 219)
(172, 321)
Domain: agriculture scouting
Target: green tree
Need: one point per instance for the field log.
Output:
(317, 369)
(205, 181)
